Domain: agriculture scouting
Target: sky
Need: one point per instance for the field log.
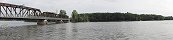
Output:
(160, 7)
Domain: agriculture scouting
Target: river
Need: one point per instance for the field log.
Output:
(126, 30)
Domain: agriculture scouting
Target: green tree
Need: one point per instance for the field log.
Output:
(168, 18)
(83, 18)
(62, 14)
(74, 16)
(103, 17)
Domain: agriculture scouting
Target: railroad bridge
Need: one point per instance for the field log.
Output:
(23, 13)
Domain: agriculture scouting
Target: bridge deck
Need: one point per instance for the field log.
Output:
(35, 18)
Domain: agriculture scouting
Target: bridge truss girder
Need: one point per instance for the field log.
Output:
(11, 10)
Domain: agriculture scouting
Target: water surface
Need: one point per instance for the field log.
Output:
(131, 30)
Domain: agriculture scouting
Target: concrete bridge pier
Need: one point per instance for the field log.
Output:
(42, 22)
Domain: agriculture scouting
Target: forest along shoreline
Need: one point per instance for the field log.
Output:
(117, 16)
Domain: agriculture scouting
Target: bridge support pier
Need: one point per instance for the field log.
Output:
(42, 22)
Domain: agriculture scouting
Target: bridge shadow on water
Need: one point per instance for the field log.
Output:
(37, 32)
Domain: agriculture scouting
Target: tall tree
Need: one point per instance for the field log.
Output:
(62, 12)
(74, 16)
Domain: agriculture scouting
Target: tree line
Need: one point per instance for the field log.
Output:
(62, 14)
(104, 17)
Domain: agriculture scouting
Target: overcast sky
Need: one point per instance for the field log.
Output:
(161, 7)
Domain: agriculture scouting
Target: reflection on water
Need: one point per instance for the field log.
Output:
(136, 30)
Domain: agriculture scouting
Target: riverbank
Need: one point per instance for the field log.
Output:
(106, 17)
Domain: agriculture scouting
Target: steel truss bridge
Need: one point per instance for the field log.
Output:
(20, 12)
